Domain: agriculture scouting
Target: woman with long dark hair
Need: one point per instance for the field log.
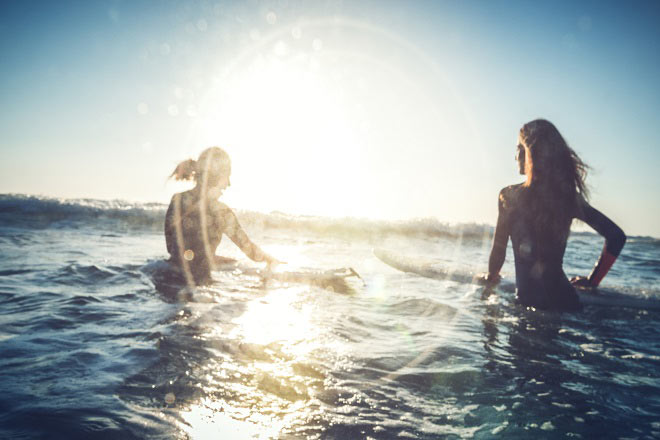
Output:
(196, 219)
(537, 216)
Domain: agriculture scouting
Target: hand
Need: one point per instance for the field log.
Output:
(272, 262)
(488, 279)
(581, 283)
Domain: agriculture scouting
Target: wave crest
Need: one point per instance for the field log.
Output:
(36, 212)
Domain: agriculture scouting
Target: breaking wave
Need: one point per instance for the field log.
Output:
(27, 211)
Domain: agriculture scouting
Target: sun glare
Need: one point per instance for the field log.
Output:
(320, 121)
(275, 319)
(274, 336)
(286, 124)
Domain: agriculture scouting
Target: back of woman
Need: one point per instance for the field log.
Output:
(196, 220)
(192, 233)
(537, 215)
(538, 238)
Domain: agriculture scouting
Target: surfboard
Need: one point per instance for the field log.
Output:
(335, 280)
(440, 270)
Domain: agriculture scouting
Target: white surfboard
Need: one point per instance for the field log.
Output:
(440, 270)
(335, 280)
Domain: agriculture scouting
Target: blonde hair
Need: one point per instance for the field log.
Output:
(212, 163)
(185, 170)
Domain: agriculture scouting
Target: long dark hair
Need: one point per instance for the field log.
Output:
(555, 178)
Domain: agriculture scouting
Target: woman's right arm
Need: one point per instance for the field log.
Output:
(500, 241)
(614, 241)
(170, 227)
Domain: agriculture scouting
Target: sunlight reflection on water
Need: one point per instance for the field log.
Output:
(278, 318)
(208, 421)
(268, 384)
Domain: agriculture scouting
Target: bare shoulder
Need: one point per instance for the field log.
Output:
(220, 209)
(175, 197)
(217, 204)
(510, 194)
(186, 197)
(175, 202)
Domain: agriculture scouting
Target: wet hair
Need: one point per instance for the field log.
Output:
(212, 164)
(555, 177)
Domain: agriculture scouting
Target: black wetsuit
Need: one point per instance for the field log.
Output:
(193, 230)
(540, 278)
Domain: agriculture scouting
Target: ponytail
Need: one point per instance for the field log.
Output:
(185, 170)
(212, 163)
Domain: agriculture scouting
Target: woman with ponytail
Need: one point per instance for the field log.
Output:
(196, 220)
(537, 216)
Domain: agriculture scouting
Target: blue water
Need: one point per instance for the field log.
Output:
(93, 346)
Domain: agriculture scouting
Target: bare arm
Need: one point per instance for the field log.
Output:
(614, 241)
(500, 241)
(235, 232)
(173, 233)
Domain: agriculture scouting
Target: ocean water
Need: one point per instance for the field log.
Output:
(93, 345)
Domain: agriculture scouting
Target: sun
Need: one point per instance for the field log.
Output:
(323, 118)
(288, 126)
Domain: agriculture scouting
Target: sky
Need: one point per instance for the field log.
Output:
(381, 109)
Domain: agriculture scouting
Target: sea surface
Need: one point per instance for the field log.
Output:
(94, 345)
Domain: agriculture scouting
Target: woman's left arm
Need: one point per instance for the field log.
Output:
(614, 241)
(237, 234)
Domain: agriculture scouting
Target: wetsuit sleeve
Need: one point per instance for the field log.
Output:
(235, 232)
(614, 241)
(500, 239)
(171, 225)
